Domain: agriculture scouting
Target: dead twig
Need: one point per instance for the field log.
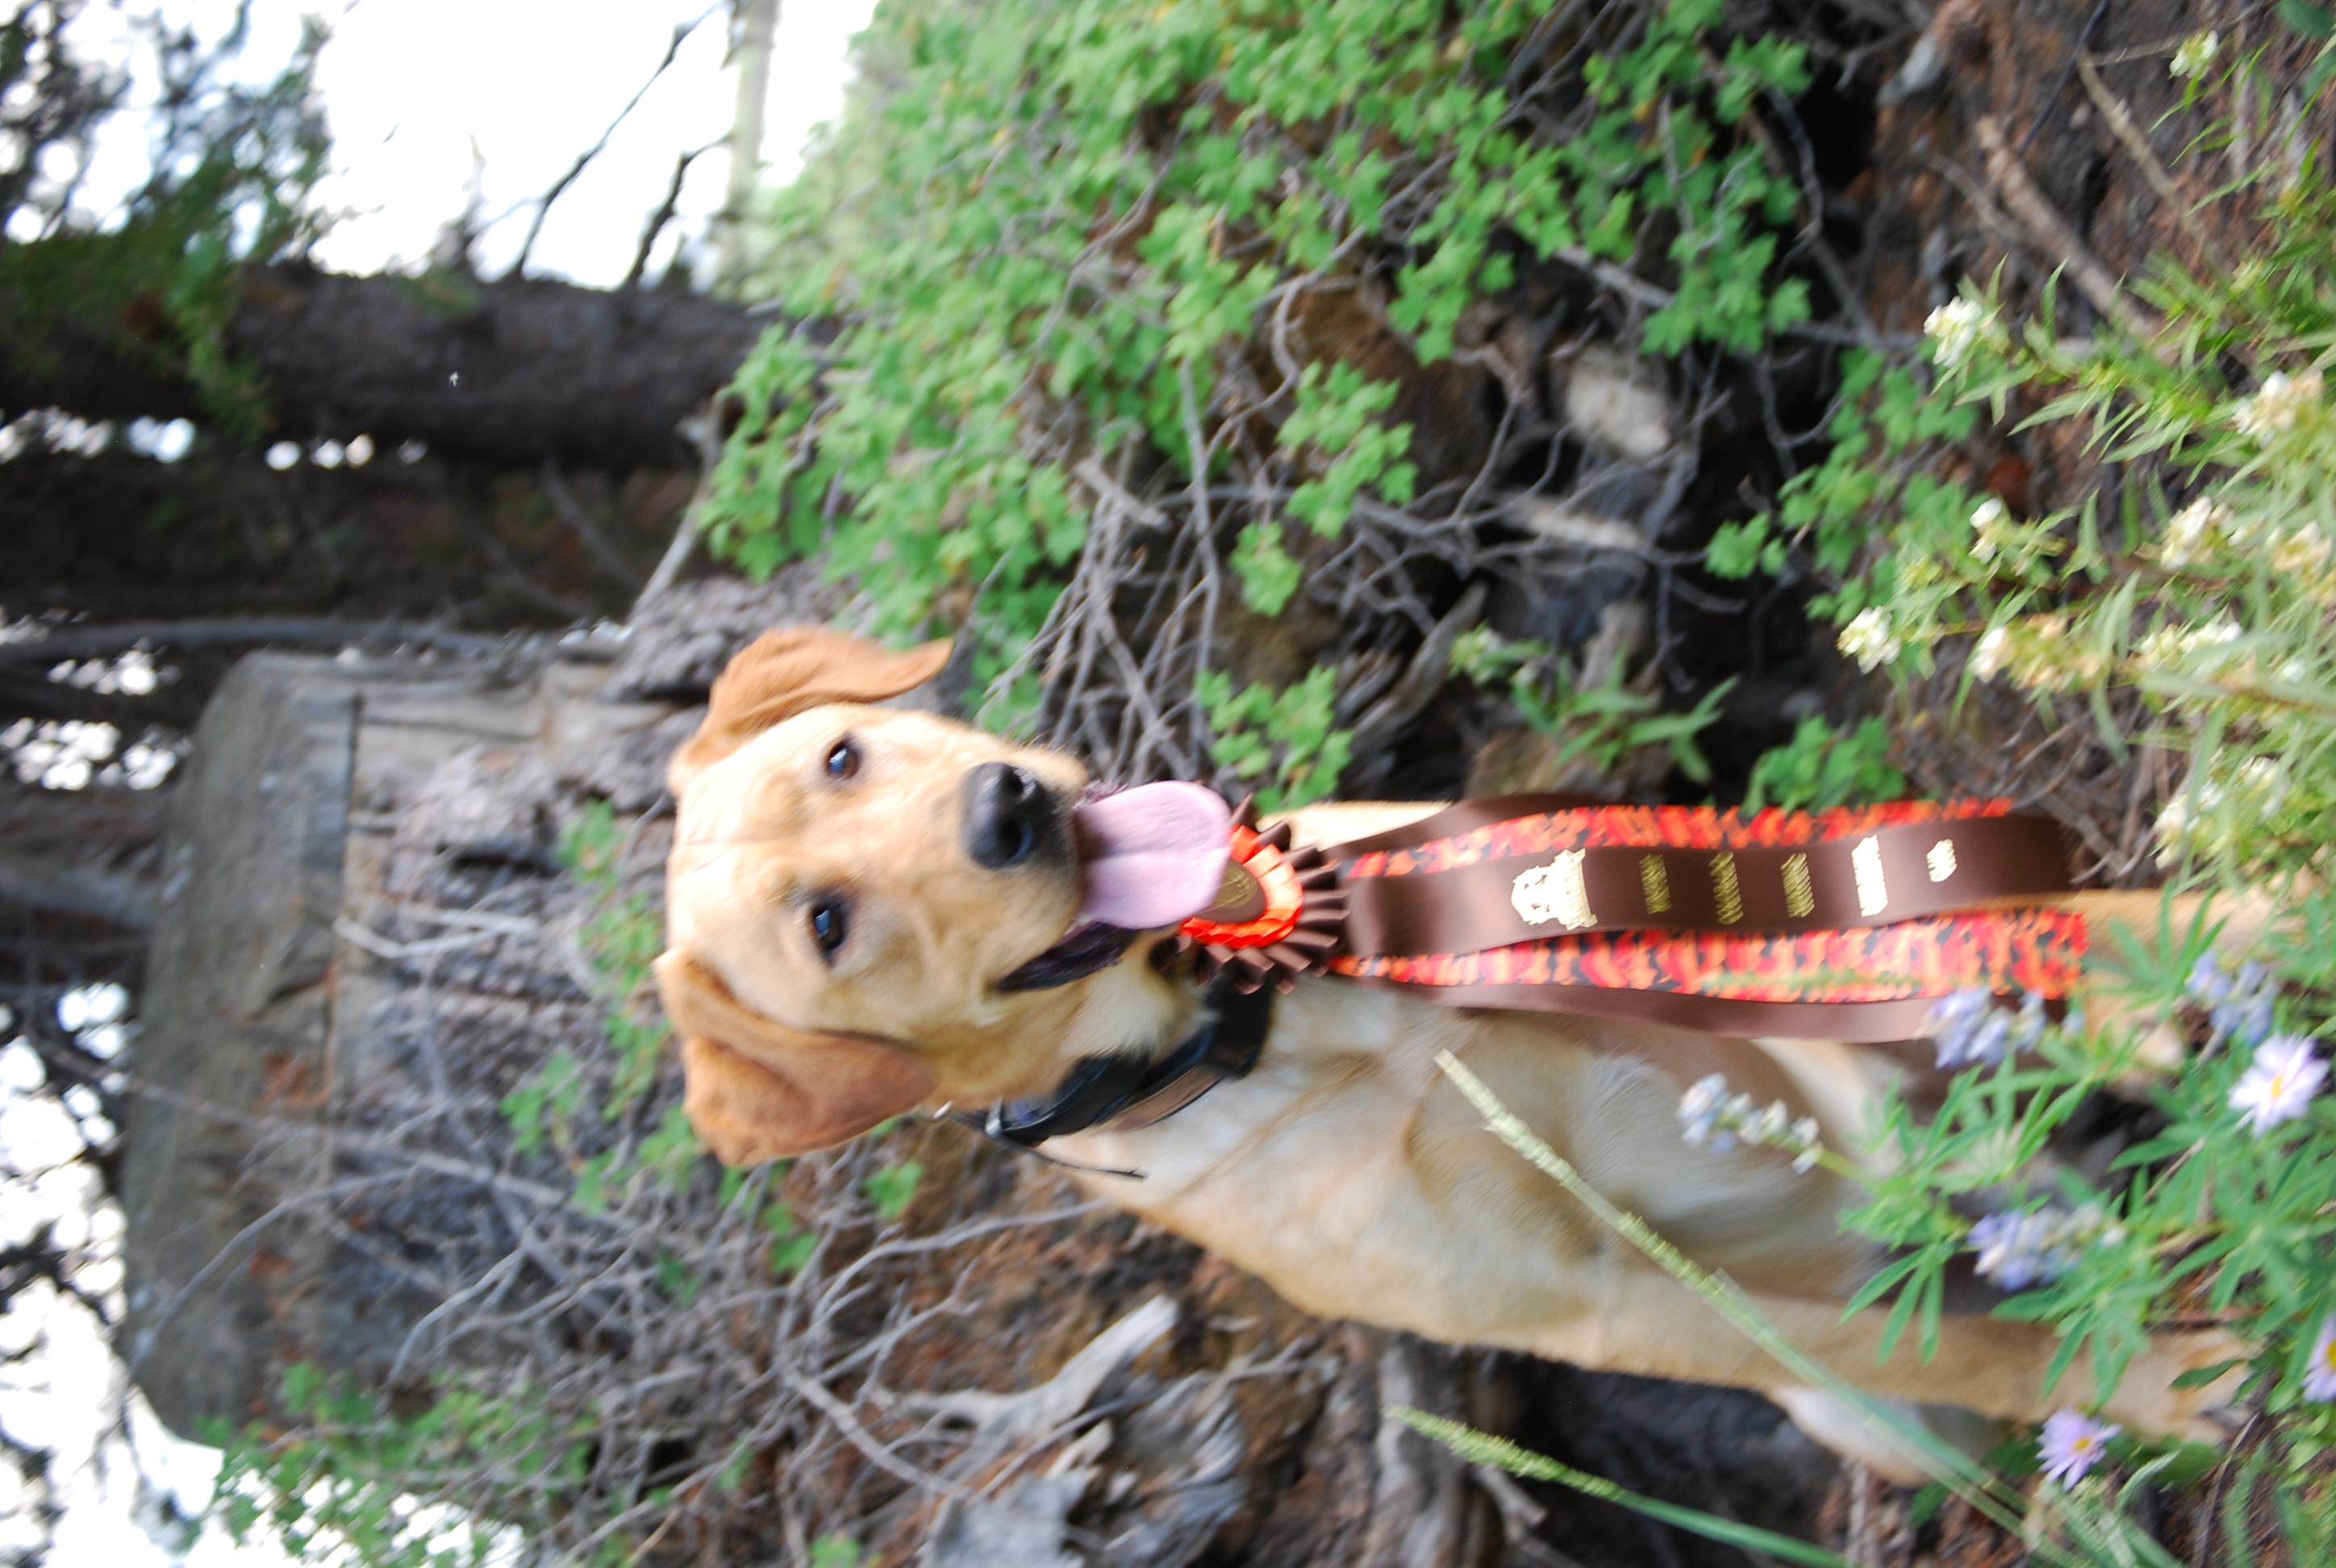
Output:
(2050, 231)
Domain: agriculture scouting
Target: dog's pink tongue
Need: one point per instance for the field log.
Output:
(1154, 855)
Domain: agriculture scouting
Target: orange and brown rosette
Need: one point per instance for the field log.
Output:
(1279, 915)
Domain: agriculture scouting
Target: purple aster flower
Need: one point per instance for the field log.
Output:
(2279, 1084)
(2073, 1443)
(2320, 1372)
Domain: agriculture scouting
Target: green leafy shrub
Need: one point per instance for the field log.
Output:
(1068, 248)
(1284, 746)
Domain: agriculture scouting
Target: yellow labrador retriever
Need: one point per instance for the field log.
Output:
(873, 911)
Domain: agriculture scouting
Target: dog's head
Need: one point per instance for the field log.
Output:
(869, 909)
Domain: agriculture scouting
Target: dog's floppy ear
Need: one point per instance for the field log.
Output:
(783, 673)
(758, 1090)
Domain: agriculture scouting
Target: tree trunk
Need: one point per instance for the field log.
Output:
(504, 373)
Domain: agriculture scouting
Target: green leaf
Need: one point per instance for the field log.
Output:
(2310, 21)
(891, 1189)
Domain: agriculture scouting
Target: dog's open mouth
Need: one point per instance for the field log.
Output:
(1088, 949)
(1148, 857)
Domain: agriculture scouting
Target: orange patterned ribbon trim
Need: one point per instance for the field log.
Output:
(2008, 951)
(1655, 827)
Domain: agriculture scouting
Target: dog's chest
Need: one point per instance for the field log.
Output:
(1352, 1177)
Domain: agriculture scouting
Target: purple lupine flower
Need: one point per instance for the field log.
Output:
(2208, 985)
(2320, 1372)
(1969, 1028)
(2279, 1084)
(2016, 1250)
(2073, 1443)
(1701, 1111)
(2238, 1007)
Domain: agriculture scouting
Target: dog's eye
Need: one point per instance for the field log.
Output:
(844, 759)
(831, 923)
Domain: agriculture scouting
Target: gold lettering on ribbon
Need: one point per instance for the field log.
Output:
(1554, 892)
(1800, 898)
(1873, 893)
(1942, 860)
(1655, 882)
(1725, 890)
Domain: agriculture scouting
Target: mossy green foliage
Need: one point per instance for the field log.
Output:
(1042, 236)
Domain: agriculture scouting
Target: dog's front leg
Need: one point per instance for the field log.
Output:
(1649, 1323)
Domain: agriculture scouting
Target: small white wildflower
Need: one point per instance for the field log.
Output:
(2274, 410)
(2262, 784)
(2197, 52)
(1988, 520)
(1869, 639)
(2190, 532)
(2201, 646)
(1993, 650)
(1954, 329)
(2177, 824)
(2158, 646)
(2302, 553)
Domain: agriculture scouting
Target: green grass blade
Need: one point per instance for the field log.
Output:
(1483, 1448)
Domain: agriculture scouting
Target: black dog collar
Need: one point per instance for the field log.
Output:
(1130, 1093)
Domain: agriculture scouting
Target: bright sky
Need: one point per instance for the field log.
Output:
(423, 96)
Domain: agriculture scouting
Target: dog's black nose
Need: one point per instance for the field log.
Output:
(1009, 817)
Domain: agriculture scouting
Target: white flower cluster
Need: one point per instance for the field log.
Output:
(1869, 638)
(2197, 647)
(2197, 52)
(2302, 554)
(2004, 545)
(1957, 327)
(2281, 404)
(2037, 652)
(1709, 1115)
(2192, 532)
(2202, 819)
(1991, 533)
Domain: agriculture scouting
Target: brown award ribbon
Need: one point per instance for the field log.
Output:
(1890, 874)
